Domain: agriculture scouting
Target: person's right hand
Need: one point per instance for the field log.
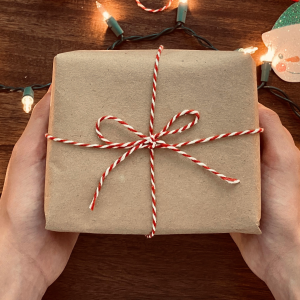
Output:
(274, 256)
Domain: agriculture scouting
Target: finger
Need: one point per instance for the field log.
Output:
(276, 142)
(275, 135)
(237, 238)
(289, 135)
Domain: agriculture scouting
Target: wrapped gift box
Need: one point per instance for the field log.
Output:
(90, 84)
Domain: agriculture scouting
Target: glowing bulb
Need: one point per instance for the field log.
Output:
(106, 15)
(183, 1)
(110, 21)
(27, 103)
(249, 50)
(269, 55)
(27, 99)
(103, 11)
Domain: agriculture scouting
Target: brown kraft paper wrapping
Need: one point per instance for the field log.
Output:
(90, 84)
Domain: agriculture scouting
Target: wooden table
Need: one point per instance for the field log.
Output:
(132, 267)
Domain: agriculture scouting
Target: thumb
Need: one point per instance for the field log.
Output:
(276, 136)
(277, 144)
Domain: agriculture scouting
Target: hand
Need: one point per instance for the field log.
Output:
(274, 256)
(31, 258)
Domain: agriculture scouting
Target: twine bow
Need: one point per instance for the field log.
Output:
(151, 142)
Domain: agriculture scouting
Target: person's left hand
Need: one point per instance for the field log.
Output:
(31, 258)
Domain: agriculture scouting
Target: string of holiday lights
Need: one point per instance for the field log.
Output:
(28, 92)
(179, 26)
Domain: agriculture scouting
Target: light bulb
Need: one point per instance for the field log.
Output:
(106, 15)
(27, 103)
(249, 50)
(182, 11)
(103, 11)
(27, 99)
(266, 66)
(269, 55)
(110, 21)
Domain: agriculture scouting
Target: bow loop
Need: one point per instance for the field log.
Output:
(165, 130)
(119, 145)
(152, 141)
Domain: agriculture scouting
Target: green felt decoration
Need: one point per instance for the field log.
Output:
(290, 17)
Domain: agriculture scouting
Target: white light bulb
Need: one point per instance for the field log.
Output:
(269, 55)
(106, 15)
(183, 1)
(103, 11)
(27, 102)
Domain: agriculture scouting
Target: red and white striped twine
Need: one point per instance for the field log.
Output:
(138, 2)
(151, 142)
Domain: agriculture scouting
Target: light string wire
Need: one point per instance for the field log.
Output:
(281, 95)
(179, 26)
(154, 36)
(135, 38)
(5, 88)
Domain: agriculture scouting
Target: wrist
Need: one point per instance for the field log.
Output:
(20, 278)
(283, 277)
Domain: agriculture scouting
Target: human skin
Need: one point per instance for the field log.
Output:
(32, 258)
(274, 256)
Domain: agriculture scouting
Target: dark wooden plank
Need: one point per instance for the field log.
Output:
(130, 267)
(170, 267)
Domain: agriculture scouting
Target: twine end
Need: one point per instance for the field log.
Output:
(231, 180)
(92, 205)
(150, 235)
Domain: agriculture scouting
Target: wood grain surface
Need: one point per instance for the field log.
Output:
(132, 267)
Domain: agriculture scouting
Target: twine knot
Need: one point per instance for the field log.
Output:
(151, 141)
